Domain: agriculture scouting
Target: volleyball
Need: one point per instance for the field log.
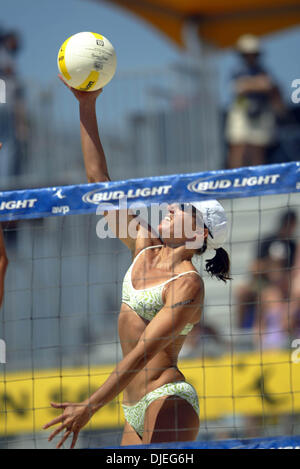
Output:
(87, 61)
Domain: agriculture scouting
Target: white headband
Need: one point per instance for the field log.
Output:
(214, 218)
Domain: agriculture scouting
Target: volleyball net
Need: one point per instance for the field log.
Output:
(59, 330)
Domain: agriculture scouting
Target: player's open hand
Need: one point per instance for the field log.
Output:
(72, 420)
(82, 96)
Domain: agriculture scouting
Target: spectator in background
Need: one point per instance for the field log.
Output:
(250, 126)
(13, 121)
(276, 253)
(276, 319)
(270, 273)
(272, 319)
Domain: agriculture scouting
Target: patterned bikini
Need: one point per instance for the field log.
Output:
(147, 303)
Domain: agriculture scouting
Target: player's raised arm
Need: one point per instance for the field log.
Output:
(94, 156)
(93, 153)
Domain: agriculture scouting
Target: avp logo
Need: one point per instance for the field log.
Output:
(58, 194)
(2, 92)
(63, 209)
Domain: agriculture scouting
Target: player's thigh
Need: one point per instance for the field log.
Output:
(170, 418)
(130, 437)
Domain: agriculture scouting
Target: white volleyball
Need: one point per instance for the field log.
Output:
(87, 61)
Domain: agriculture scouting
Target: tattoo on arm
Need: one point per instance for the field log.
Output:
(181, 303)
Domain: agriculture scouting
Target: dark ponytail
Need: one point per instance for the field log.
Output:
(218, 266)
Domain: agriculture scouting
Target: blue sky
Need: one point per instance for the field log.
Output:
(45, 24)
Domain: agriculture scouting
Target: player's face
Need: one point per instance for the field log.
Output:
(179, 224)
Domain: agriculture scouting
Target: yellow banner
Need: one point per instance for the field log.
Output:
(245, 384)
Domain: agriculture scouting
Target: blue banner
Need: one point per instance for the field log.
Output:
(86, 198)
(281, 442)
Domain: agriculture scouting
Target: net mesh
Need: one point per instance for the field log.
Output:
(59, 322)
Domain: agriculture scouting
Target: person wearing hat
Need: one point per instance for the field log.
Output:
(162, 300)
(251, 121)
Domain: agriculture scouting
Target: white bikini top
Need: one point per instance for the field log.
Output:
(148, 302)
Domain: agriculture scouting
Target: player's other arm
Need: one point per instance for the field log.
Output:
(183, 305)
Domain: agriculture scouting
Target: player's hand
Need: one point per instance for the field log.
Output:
(82, 96)
(72, 420)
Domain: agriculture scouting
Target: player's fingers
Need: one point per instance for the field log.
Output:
(64, 82)
(58, 419)
(54, 422)
(61, 405)
(62, 79)
(66, 435)
(57, 431)
(75, 436)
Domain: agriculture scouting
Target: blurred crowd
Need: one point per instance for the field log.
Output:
(13, 118)
(268, 305)
(258, 112)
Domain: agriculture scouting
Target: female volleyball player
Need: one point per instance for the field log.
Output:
(162, 300)
(3, 261)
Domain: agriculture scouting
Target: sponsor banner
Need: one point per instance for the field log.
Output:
(280, 442)
(86, 198)
(262, 384)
